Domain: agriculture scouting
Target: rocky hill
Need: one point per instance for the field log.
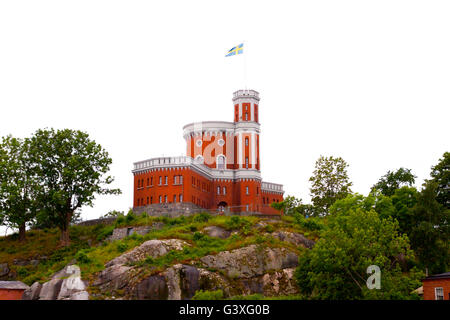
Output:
(200, 256)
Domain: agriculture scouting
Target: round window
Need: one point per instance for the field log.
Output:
(199, 143)
(221, 142)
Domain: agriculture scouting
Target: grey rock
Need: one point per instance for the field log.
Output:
(182, 281)
(151, 248)
(4, 270)
(114, 277)
(294, 238)
(218, 232)
(251, 261)
(281, 282)
(33, 292)
(79, 295)
(50, 289)
(152, 288)
(71, 285)
(20, 262)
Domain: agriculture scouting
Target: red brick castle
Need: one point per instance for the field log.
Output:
(221, 169)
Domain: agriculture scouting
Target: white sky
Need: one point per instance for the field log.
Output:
(365, 80)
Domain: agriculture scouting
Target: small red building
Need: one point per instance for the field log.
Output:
(12, 290)
(437, 287)
(221, 169)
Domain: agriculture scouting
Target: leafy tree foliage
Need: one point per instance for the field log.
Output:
(292, 206)
(440, 173)
(355, 238)
(17, 185)
(330, 182)
(430, 231)
(392, 181)
(71, 168)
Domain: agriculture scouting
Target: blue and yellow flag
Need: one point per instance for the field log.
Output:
(236, 50)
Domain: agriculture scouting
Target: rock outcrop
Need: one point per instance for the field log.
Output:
(218, 232)
(294, 238)
(119, 275)
(66, 284)
(33, 292)
(251, 261)
(150, 248)
(4, 269)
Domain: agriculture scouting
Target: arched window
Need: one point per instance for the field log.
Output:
(221, 162)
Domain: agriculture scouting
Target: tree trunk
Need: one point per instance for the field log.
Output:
(22, 232)
(65, 238)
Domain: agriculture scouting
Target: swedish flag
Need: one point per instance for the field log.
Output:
(236, 50)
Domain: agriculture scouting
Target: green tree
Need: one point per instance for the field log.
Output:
(392, 181)
(288, 205)
(17, 185)
(292, 206)
(440, 173)
(355, 238)
(430, 231)
(404, 200)
(330, 182)
(72, 170)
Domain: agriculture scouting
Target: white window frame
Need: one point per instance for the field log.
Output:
(224, 190)
(218, 189)
(441, 297)
(224, 162)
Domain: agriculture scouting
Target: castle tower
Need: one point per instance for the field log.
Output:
(246, 119)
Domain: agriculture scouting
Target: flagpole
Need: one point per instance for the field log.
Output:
(245, 65)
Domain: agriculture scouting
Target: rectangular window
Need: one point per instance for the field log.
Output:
(165, 180)
(246, 190)
(181, 179)
(174, 198)
(181, 198)
(147, 200)
(224, 190)
(165, 198)
(246, 162)
(246, 141)
(218, 190)
(439, 293)
(160, 180)
(151, 181)
(151, 200)
(160, 199)
(175, 179)
(246, 207)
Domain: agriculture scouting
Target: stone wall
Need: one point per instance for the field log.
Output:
(121, 233)
(94, 222)
(170, 210)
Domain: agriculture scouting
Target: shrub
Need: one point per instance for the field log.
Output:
(122, 247)
(105, 232)
(237, 222)
(198, 236)
(202, 217)
(208, 295)
(269, 228)
(120, 220)
(130, 217)
(82, 257)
